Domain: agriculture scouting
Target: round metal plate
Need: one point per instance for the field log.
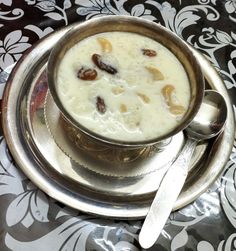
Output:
(124, 192)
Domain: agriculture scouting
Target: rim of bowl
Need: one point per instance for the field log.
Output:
(159, 33)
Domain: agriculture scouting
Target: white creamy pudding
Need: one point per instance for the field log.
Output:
(123, 86)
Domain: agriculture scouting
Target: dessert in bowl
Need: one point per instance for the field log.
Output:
(124, 82)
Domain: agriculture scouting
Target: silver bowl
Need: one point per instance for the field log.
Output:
(80, 134)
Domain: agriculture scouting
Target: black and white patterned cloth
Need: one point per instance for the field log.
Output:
(32, 221)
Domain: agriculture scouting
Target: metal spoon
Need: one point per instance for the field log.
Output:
(208, 123)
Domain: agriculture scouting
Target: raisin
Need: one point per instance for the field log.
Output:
(97, 59)
(101, 106)
(86, 73)
(149, 52)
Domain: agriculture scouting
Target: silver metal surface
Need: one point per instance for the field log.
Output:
(150, 161)
(44, 162)
(208, 123)
(210, 118)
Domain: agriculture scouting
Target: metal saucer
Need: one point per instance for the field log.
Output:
(39, 146)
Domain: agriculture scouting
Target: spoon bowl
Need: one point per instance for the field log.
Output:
(210, 118)
(208, 123)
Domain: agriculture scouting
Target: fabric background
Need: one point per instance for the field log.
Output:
(30, 220)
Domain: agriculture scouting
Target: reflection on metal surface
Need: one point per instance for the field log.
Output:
(103, 152)
(96, 188)
(104, 160)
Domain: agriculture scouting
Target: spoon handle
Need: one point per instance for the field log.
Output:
(166, 196)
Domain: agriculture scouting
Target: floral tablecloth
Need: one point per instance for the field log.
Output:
(30, 220)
